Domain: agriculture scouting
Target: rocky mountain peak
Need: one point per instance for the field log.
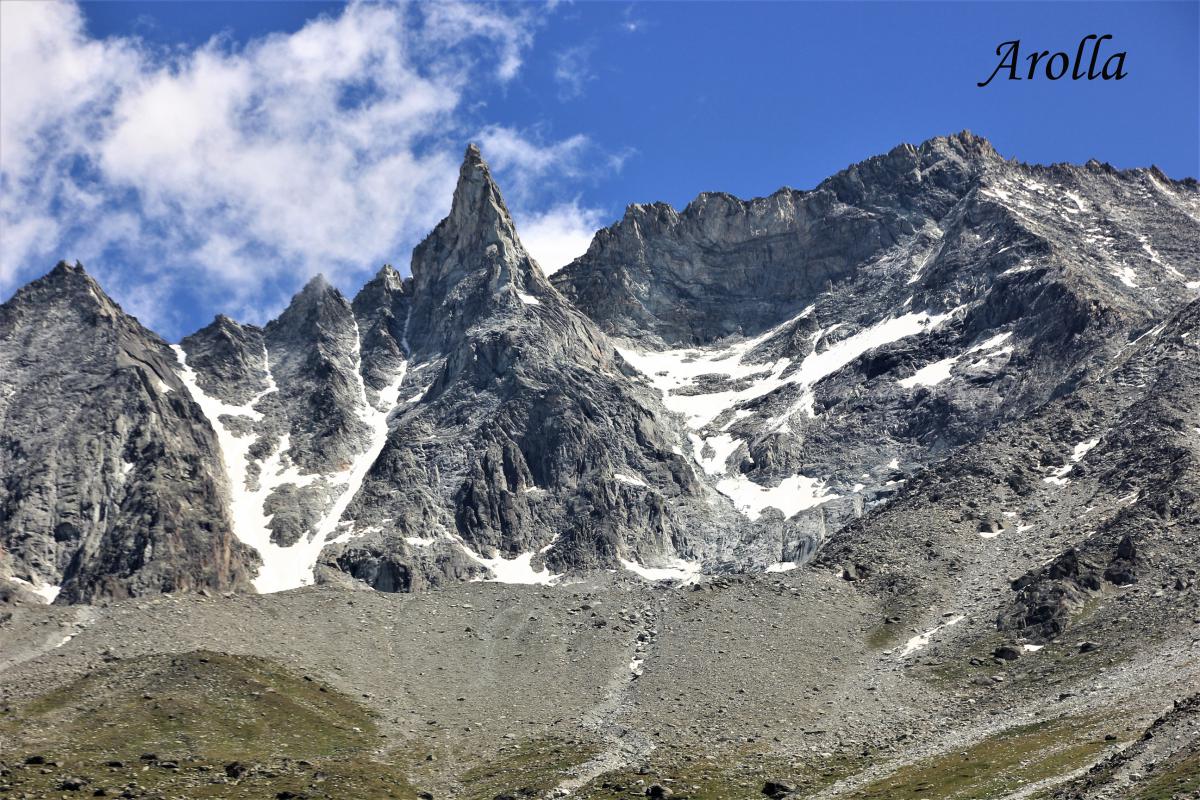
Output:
(224, 326)
(381, 307)
(478, 207)
(114, 462)
(64, 269)
(471, 261)
(315, 305)
(69, 284)
(389, 277)
(228, 359)
(778, 367)
(318, 286)
(963, 144)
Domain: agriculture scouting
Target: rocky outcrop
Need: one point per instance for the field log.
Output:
(383, 310)
(111, 479)
(842, 339)
(1097, 496)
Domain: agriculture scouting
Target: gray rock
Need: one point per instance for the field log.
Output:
(111, 479)
(1007, 652)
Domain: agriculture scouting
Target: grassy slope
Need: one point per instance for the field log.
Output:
(171, 724)
(168, 726)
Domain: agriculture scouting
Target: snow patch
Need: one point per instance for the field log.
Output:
(291, 566)
(46, 591)
(930, 375)
(935, 373)
(1128, 276)
(674, 372)
(723, 446)
(1083, 448)
(629, 479)
(670, 371)
(921, 640)
(782, 566)
(529, 299)
(1058, 477)
(791, 496)
(921, 267)
(518, 569)
(683, 571)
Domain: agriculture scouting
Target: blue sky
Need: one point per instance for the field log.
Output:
(211, 157)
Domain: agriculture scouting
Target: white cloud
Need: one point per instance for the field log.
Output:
(558, 236)
(572, 71)
(509, 149)
(451, 23)
(236, 172)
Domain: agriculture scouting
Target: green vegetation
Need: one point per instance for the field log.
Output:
(996, 766)
(1181, 779)
(733, 775)
(528, 769)
(210, 725)
(171, 723)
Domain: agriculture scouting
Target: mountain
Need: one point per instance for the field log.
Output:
(112, 484)
(719, 389)
(885, 489)
(523, 445)
(825, 346)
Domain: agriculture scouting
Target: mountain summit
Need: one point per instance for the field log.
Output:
(472, 260)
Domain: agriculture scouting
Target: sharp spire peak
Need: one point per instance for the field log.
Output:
(476, 195)
(317, 282)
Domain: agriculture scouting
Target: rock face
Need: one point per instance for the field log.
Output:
(1098, 491)
(825, 346)
(937, 341)
(724, 266)
(523, 444)
(112, 483)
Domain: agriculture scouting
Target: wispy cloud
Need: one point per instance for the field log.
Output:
(572, 71)
(529, 160)
(630, 22)
(234, 172)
